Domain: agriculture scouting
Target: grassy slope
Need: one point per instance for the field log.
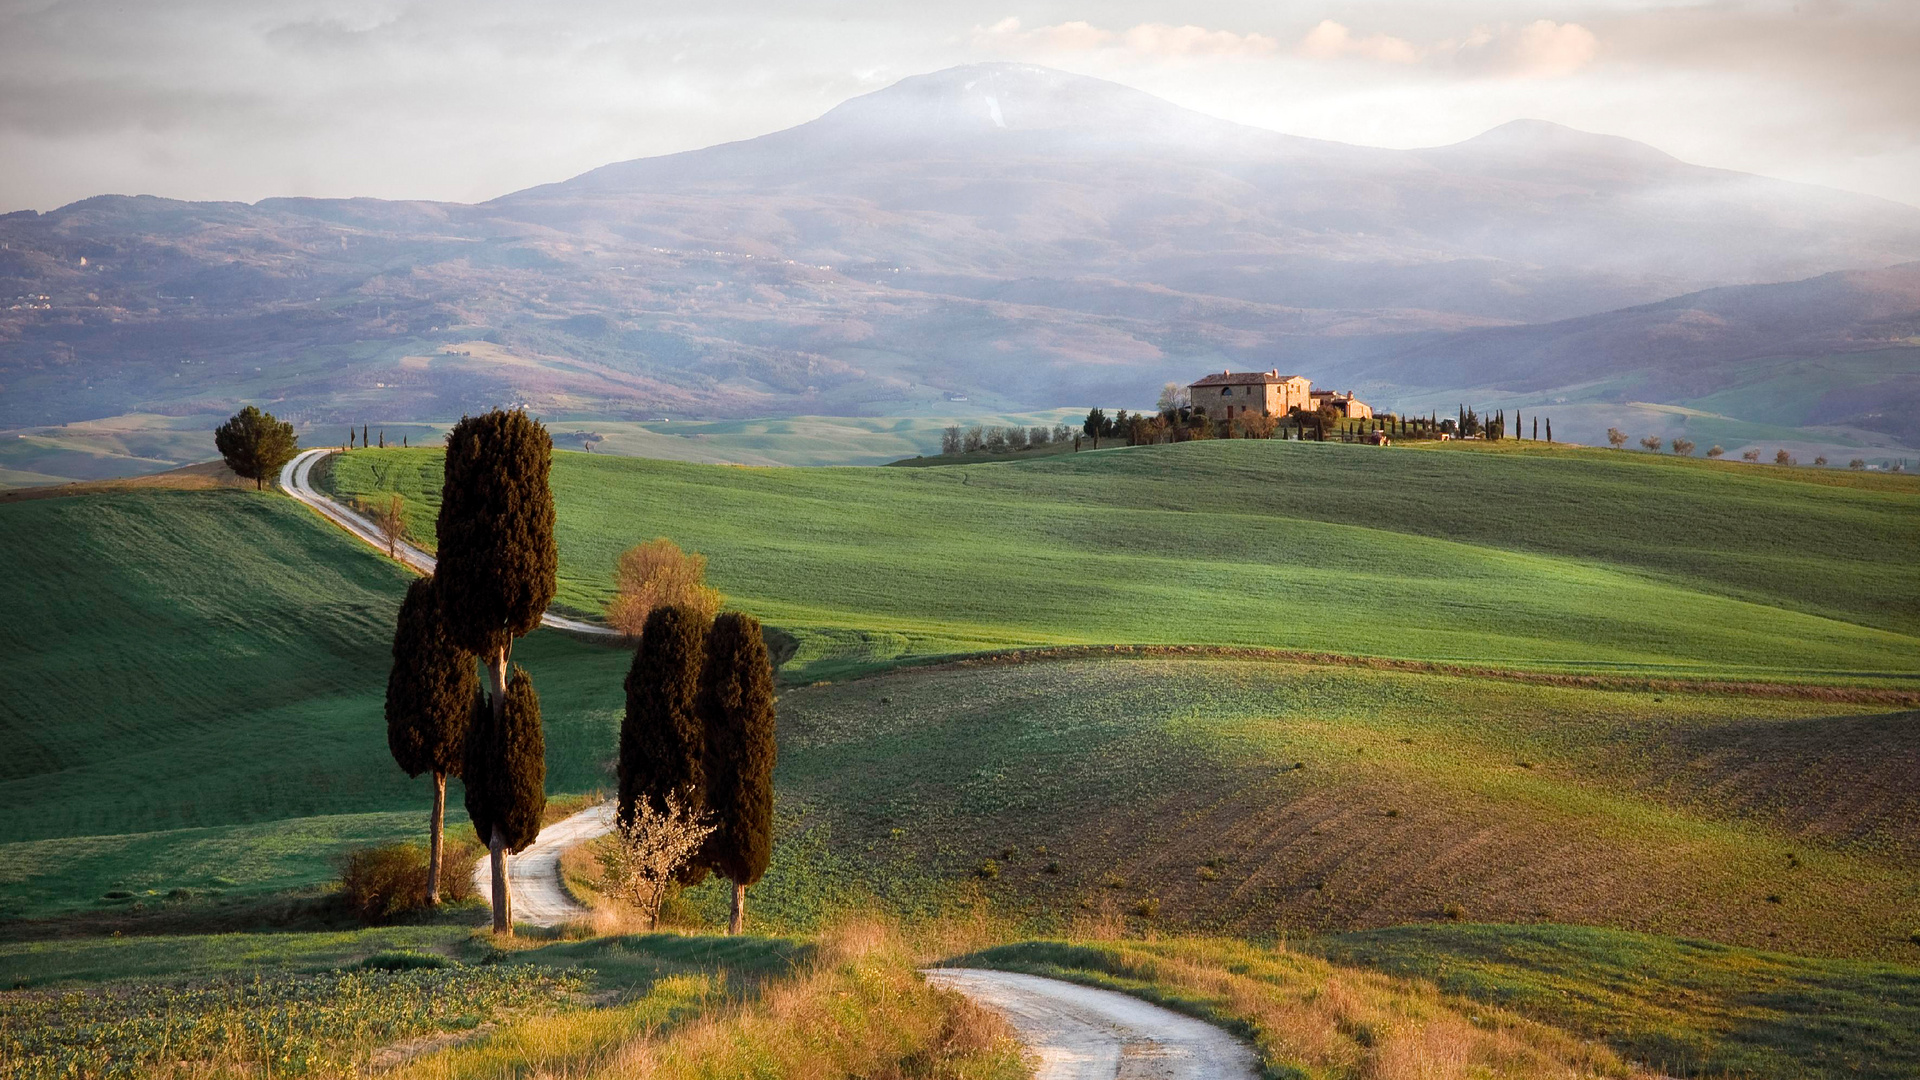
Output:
(213, 664)
(1686, 1007)
(1583, 560)
(1095, 785)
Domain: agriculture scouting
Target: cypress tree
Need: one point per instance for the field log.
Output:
(1549, 429)
(255, 444)
(505, 761)
(736, 707)
(497, 565)
(1536, 427)
(430, 694)
(364, 442)
(663, 738)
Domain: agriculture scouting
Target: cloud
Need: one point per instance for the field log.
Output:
(1161, 39)
(1331, 41)
(1147, 40)
(1542, 49)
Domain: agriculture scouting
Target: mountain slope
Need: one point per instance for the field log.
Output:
(1022, 237)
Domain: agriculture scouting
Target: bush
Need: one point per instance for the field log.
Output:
(1783, 458)
(1716, 451)
(403, 960)
(657, 574)
(1454, 912)
(988, 870)
(1857, 463)
(1147, 907)
(381, 884)
(1821, 461)
(1750, 455)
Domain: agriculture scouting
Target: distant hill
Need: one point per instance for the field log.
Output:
(1841, 349)
(1017, 236)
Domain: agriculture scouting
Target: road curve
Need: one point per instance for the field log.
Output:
(297, 478)
(1081, 1033)
(539, 899)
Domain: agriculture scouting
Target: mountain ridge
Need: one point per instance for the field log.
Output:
(1052, 240)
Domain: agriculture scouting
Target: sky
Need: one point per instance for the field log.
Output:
(468, 99)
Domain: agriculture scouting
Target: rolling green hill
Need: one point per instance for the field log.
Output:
(196, 694)
(1560, 560)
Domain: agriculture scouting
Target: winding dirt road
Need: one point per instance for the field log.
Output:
(297, 478)
(1080, 1033)
(1075, 1032)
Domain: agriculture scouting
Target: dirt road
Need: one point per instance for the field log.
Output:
(534, 874)
(297, 478)
(1080, 1033)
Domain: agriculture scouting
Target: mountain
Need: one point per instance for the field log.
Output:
(1015, 235)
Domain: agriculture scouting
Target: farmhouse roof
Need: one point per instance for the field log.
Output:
(1229, 378)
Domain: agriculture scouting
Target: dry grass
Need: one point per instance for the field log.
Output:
(856, 1008)
(207, 474)
(1312, 1019)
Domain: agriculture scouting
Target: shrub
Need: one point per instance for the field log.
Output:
(657, 574)
(403, 960)
(1146, 907)
(1716, 451)
(1857, 463)
(1454, 912)
(988, 870)
(1050, 868)
(1114, 881)
(379, 884)
(1782, 458)
(1821, 461)
(1206, 873)
(1750, 455)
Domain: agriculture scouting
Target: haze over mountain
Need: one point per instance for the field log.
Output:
(1019, 236)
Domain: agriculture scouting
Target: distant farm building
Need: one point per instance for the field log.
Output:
(1345, 404)
(1227, 395)
(1230, 394)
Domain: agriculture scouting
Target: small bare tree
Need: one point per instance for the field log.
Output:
(1683, 447)
(1857, 463)
(1821, 461)
(389, 520)
(1716, 451)
(1783, 458)
(1652, 443)
(648, 849)
(1616, 437)
(656, 574)
(1750, 455)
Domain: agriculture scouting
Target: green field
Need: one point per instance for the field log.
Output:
(1568, 560)
(197, 699)
(196, 716)
(1268, 800)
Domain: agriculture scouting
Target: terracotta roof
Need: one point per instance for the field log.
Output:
(1244, 378)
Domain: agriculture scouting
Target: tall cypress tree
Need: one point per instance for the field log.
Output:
(506, 780)
(663, 738)
(430, 694)
(497, 567)
(736, 706)
(1549, 429)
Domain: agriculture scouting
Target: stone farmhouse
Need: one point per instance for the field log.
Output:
(1230, 394)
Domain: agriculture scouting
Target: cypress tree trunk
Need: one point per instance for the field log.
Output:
(497, 846)
(435, 828)
(502, 892)
(737, 922)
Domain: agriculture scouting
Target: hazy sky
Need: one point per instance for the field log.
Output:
(467, 99)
